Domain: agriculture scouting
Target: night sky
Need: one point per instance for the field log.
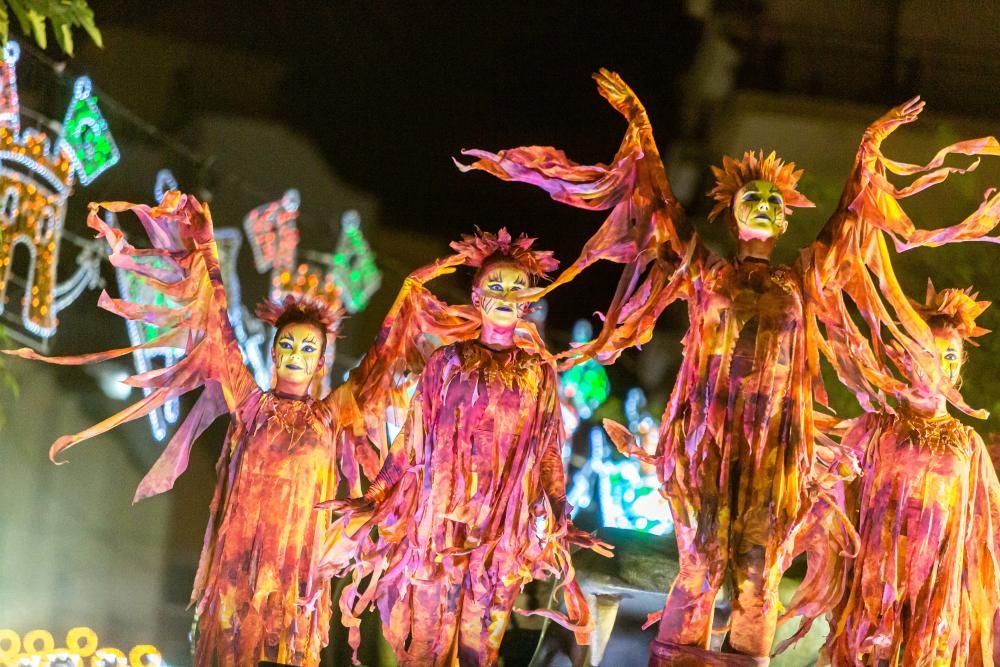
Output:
(390, 92)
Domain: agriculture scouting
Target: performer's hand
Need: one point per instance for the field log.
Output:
(588, 541)
(907, 112)
(614, 89)
(436, 269)
(352, 505)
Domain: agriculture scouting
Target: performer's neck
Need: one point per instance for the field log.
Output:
(755, 248)
(497, 337)
(935, 405)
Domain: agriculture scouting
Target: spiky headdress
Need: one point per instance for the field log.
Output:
(734, 174)
(958, 306)
(484, 248)
(300, 308)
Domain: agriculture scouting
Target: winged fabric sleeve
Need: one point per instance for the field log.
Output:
(851, 256)
(644, 216)
(183, 265)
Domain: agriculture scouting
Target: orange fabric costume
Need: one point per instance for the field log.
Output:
(925, 587)
(751, 480)
(282, 455)
(469, 506)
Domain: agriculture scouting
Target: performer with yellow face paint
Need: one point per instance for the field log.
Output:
(750, 479)
(286, 449)
(471, 502)
(924, 589)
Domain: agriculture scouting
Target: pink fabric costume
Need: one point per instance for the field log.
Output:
(470, 504)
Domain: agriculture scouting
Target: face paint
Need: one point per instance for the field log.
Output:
(493, 293)
(296, 353)
(759, 210)
(950, 354)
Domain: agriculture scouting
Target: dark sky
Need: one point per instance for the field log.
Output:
(391, 91)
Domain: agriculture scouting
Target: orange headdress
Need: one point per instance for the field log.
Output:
(483, 248)
(959, 307)
(301, 308)
(734, 174)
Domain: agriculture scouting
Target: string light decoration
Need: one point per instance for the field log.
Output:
(353, 264)
(627, 490)
(86, 136)
(586, 385)
(37, 648)
(274, 234)
(36, 179)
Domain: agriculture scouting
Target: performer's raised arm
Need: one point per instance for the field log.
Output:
(183, 265)
(646, 220)
(851, 256)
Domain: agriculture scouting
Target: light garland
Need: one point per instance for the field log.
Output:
(86, 135)
(353, 264)
(627, 489)
(36, 179)
(37, 648)
(274, 234)
(586, 385)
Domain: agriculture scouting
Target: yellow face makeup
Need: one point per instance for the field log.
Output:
(759, 210)
(494, 295)
(950, 354)
(297, 356)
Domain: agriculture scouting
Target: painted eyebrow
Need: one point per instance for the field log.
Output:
(495, 278)
(286, 336)
(310, 340)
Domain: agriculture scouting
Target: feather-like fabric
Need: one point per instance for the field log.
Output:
(474, 473)
(924, 589)
(280, 458)
(738, 450)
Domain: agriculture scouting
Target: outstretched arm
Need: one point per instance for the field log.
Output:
(646, 222)
(378, 391)
(852, 256)
(644, 211)
(182, 264)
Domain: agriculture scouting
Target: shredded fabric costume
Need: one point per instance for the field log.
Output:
(477, 466)
(282, 455)
(924, 589)
(750, 479)
(470, 504)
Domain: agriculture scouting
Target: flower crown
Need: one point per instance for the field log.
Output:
(958, 306)
(483, 248)
(734, 174)
(300, 308)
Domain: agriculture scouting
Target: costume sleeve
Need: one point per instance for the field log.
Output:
(851, 256)
(646, 220)
(182, 264)
(553, 476)
(376, 397)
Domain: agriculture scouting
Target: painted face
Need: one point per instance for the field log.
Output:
(296, 354)
(950, 354)
(759, 210)
(493, 293)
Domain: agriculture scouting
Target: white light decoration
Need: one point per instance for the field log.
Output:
(36, 179)
(628, 490)
(165, 182)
